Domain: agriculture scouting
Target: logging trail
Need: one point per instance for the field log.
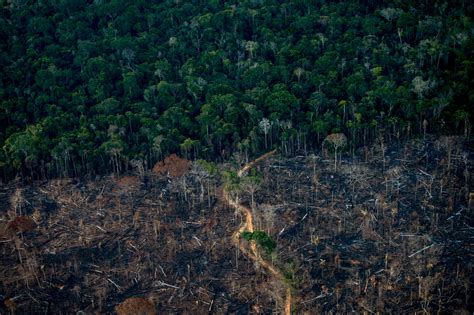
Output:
(248, 225)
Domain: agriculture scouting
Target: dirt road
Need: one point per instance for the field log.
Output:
(247, 225)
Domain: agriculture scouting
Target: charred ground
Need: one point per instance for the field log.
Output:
(387, 230)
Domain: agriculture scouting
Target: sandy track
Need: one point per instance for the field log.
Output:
(248, 225)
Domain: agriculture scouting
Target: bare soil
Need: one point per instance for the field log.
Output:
(136, 306)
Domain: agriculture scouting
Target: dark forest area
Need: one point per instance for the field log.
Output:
(94, 87)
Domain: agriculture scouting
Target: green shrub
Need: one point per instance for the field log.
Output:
(262, 239)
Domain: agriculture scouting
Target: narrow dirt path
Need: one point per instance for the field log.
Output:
(248, 225)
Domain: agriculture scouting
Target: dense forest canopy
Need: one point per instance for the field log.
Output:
(98, 86)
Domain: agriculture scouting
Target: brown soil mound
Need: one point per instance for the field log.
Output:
(21, 224)
(136, 306)
(172, 165)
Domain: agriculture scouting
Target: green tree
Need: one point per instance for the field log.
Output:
(262, 239)
(281, 103)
